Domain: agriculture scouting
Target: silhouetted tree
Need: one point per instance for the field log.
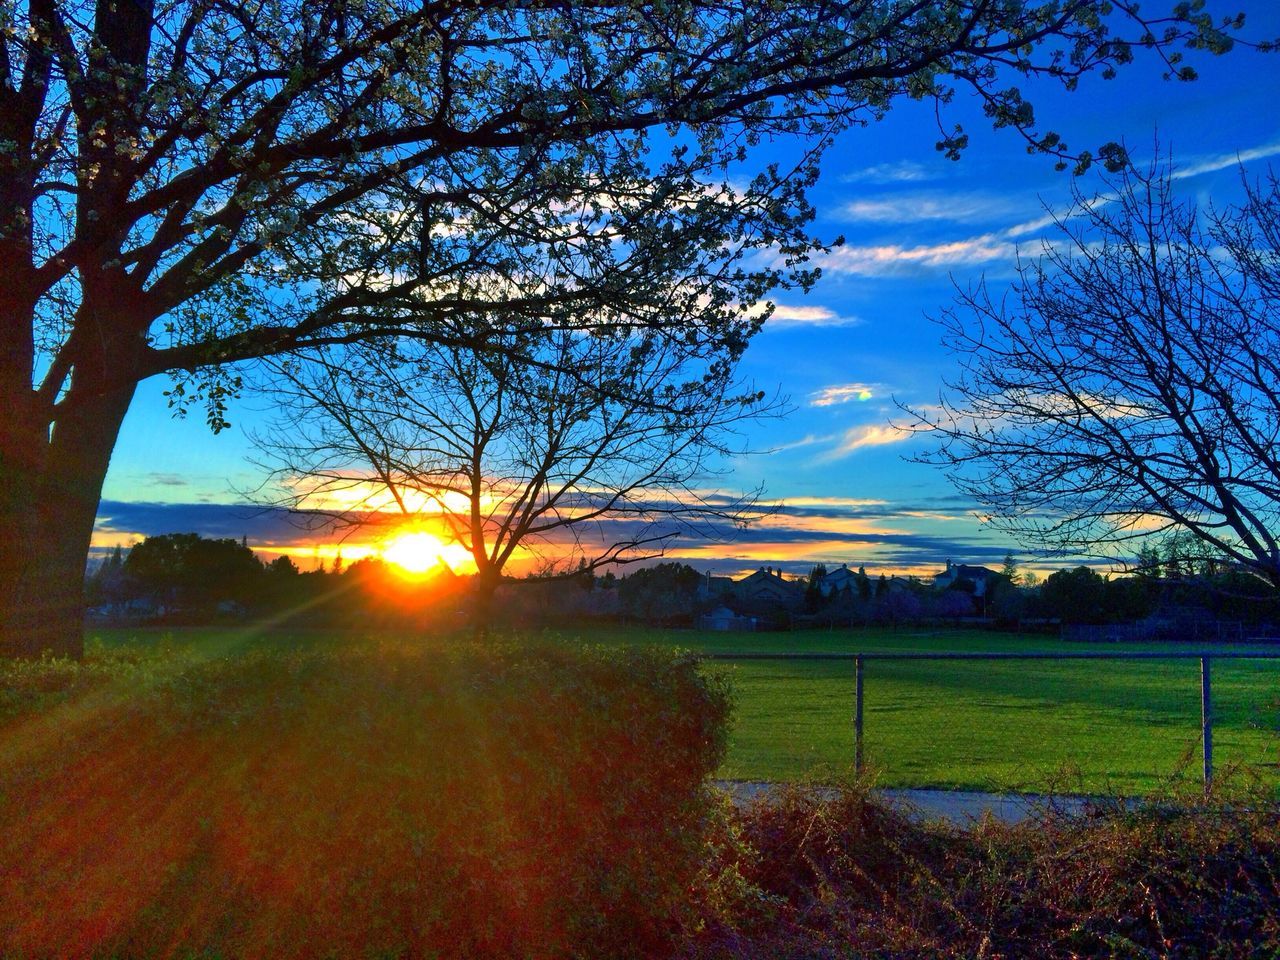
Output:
(108, 583)
(1148, 563)
(588, 452)
(954, 604)
(1009, 569)
(665, 592)
(1127, 387)
(189, 571)
(191, 184)
(864, 584)
(898, 606)
(814, 598)
(1078, 595)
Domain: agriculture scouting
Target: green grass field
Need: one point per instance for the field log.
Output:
(1084, 726)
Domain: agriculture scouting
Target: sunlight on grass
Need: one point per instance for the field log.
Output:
(256, 797)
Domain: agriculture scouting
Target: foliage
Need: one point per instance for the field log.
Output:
(846, 875)
(365, 800)
(193, 571)
(1077, 595)
(1125, 388)
(187, 185)
(664, 592)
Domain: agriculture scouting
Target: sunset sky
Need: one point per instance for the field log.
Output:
(914, 222)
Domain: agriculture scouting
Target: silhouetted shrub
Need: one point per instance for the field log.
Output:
(373, 800)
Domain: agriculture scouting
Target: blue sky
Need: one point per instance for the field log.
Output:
(913, 222)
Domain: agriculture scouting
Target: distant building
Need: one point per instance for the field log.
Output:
(715, 588)
(767, 585)
(899, 584)
(980, 577)
(724, 619)
(836, 581)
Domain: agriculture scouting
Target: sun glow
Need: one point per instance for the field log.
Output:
(415, 552)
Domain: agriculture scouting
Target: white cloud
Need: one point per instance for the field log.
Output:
(868, 435)
(955, 207)
(893, 259)
(845, 393)
(808, 440)
(1222, 161)
(785, 315)
(903, 171)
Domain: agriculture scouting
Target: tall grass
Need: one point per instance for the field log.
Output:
(821, 875)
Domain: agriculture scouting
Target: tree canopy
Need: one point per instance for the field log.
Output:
(191, 184)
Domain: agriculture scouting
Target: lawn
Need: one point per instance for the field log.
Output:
(1077, 726)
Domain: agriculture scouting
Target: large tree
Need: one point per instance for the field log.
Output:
(1128, 387)
(190, 184)
(563, 452)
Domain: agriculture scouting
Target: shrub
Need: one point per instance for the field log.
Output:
(845, 876)
(374, 800)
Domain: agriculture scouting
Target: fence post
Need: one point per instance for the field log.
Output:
(1206, 721)
(857, 715)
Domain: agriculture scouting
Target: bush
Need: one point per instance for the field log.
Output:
(378, 800)
(845, 876)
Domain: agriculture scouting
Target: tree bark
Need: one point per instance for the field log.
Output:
(486, 585)
(21, 447)
(49, 517)
(53, 464)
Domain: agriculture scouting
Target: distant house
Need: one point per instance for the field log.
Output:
(723, 619)
(899, 584)
(836, 581)
(768, 586)
(715, 588)
(980, 577)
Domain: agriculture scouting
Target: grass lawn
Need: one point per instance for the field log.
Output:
(1085, 726)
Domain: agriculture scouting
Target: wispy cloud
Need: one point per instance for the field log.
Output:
(845, 393)
(893, 259)
(786, 316)
(902, 171)
(867, 435)
(165, 480)
(934, 205)
(808, 440)
(1221, 161)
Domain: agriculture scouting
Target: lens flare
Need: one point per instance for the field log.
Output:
(415, 552)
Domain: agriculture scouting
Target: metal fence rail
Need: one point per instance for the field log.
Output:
(860, 659)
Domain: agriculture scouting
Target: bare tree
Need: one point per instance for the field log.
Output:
(1129, 384)
(572, 451)
(191, 184)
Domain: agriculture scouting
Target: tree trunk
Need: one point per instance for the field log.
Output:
(486, 585)
(21, 456)
(46, 519)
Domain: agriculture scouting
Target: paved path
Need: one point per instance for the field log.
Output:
(958, 806)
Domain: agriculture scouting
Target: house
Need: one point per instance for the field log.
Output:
(837, 581)
(715, 588)
(723, 619)
(980, 577)
(767, 586)
(899, 584)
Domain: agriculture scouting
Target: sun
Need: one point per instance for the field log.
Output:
(415, 552)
